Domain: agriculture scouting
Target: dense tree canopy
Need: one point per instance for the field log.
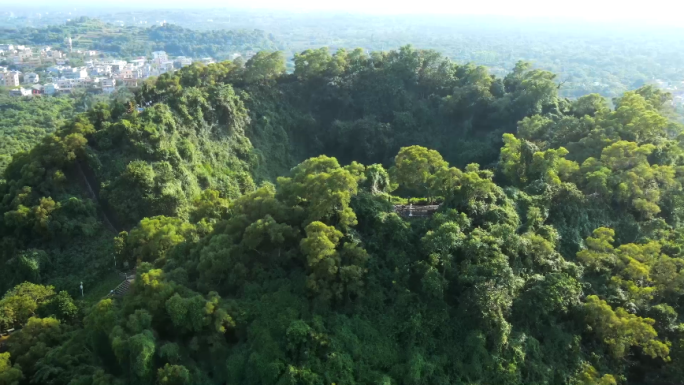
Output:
(257, 209)
(25, 121)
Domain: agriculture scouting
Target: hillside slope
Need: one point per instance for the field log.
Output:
(257, 207)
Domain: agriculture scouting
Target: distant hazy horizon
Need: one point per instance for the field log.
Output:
(658, 12)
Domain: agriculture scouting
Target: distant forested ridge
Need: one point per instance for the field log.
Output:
(132, 41)
(589, 57)
(257, 207)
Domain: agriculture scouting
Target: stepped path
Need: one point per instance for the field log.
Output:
(124, 286)
(87, 182)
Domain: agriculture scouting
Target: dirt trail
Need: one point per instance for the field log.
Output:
(94, 197)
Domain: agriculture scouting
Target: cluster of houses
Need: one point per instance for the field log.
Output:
(675, 88)
(26, 57)
(96, 75)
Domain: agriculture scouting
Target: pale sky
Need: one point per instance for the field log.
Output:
(650, 11)
(592, 9)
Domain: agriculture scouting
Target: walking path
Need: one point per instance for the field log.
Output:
(124, 286)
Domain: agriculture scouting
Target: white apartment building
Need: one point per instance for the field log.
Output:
(11, 78)
(69, 84)
(25, 53)
(166, 66)
(20, 92)
(55, 70)
(65, 85)
(100, 70)
(75, 73)
(53, 54)
(139, 62)
(182, 61)
(31, 78)
(160, 56)
(108, 85)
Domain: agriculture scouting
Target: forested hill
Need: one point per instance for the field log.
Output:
(25, 122)
(132, 41)
(257, 207)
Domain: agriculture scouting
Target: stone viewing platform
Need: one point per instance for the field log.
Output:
(415, 211)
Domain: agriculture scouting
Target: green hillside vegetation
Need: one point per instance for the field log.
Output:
(26, 120)
(257, 208)
(131, 41)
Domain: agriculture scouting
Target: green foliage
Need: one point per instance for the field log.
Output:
(620, 330)
(9, 375)
(61, 306)
(25, 121)
(133, 41)
(415, 168)
(316, 278)
(152, 239)
(323, 189)
(377, 180)
(624, 169)
(264, 66)
(172, 174)
(590, 376)
(332, 272)
(173, 375)
(522, 163)
(22, 302)
(209, 206)
(34, 341)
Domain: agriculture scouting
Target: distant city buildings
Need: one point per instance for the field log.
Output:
(96, 70)
(674, 88)
(166, 66)
(159, 57)
(108, 85)
(139, 62)
(31, 78)
(130, 83)
(20, 92)
(48, 54)
(56, 70)
(182, 61)
(75, 73)
(11, 78)
(27, 57)
(50, 89)
(96, 74)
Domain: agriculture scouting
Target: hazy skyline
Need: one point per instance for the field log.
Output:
(657, 11)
